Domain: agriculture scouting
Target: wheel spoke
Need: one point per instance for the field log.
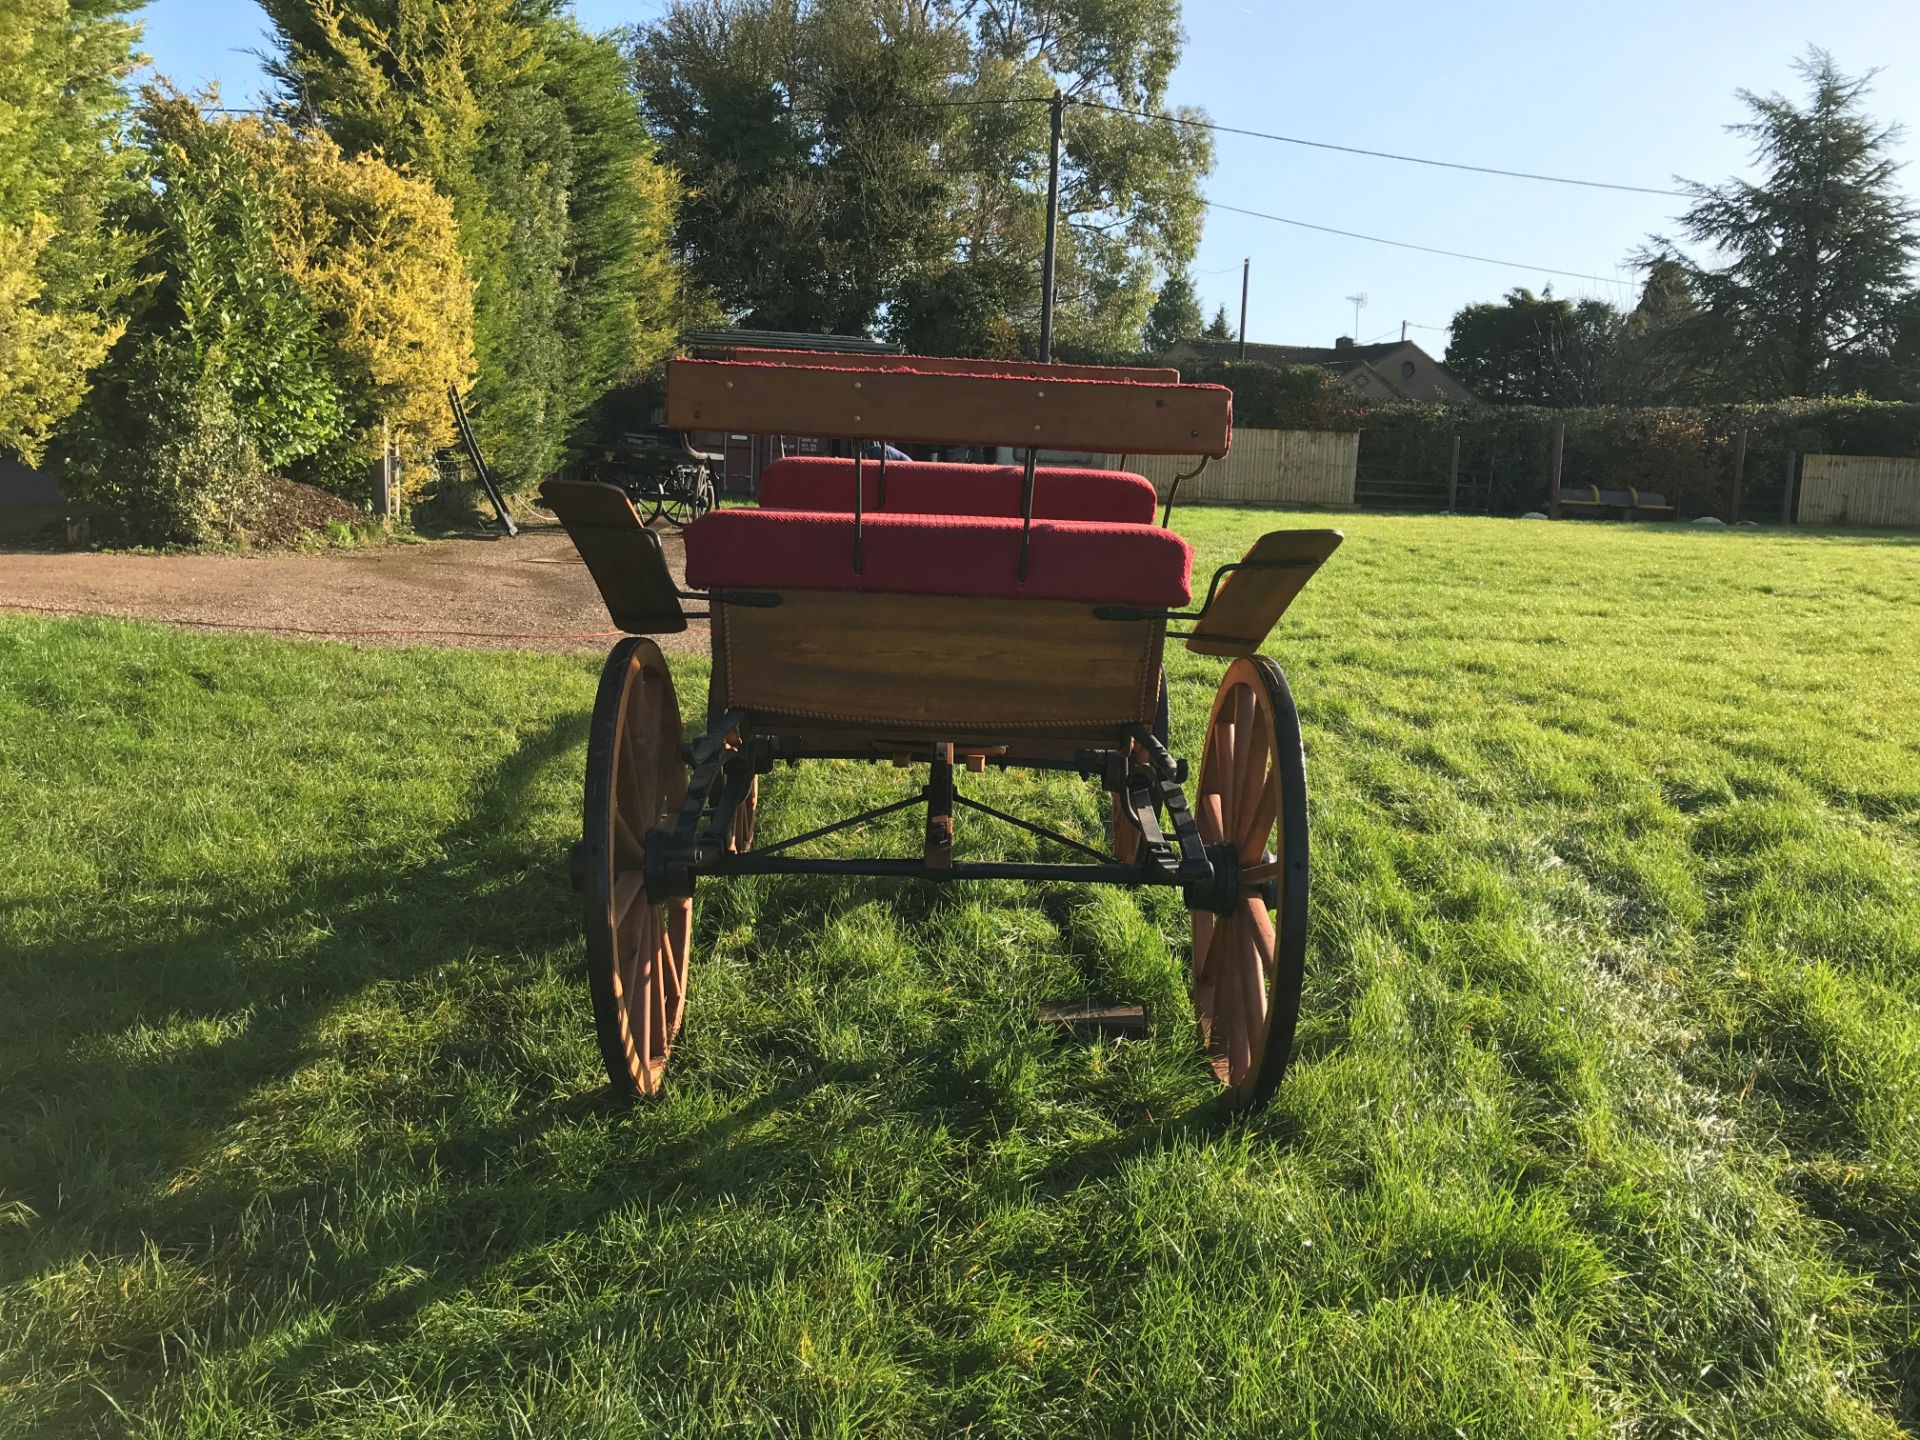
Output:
(1226, 1035)
(1251, 972)
(628, 886)
(1259, 872)
(657, 1001)
(679, 930)
(628, 851)
(1243, 714)
(1204, 922)
(1251, 838)
(630, 768)
(1259, 921)
(1255, 772)
(1251, 978)
(637, 999)
(1213, 826)
(1219, 773)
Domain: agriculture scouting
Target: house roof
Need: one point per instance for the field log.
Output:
(1336, 358)
(787, 340)
(1346, 361)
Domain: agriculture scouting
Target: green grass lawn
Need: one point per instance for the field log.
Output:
(1606, 1119)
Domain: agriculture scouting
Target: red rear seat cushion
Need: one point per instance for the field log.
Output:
(939, 555)
(928, 487)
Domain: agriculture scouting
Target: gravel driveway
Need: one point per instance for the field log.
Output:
(528, 593)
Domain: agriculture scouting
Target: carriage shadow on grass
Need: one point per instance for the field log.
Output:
(135, 1098)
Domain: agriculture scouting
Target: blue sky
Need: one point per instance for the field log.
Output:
(1634, 92)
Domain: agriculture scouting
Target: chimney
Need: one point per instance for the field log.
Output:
(1345, 342)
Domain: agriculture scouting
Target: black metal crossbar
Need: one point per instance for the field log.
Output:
(1042, 831)
(697, 844)
(1112, 872)
(838, 825)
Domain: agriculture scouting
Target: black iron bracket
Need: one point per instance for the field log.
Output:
(1166, 515)
(859, 512)
(1026, 509)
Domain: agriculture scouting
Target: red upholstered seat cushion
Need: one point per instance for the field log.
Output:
(939, 555)
(927, 487)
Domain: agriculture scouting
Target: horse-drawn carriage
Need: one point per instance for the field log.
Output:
(953, 618)
(664, 476)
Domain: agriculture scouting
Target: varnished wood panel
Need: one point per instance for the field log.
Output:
(952, 365)
(917, 408)
(622, 555)
(1249, 602)
(944, 666)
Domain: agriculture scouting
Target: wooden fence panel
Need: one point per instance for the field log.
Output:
(1264, 467)
(1859, 490)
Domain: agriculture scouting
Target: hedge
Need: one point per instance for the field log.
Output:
(1686, 454)
(1680, 452)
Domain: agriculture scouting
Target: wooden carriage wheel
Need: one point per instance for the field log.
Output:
(1248, 964)
(637, 949)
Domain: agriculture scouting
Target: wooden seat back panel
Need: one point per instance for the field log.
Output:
(920, 407)
(938, 666)
(1252, 599)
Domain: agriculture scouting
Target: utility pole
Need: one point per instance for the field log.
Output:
(1057, 111)
(1246, 268)
(1403, 332)
(1553, 483)
(1739, 472)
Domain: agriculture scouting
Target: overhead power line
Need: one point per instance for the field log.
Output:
(1379, 154)
(1409, 245)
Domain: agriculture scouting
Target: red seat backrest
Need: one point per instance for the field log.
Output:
(928, 487)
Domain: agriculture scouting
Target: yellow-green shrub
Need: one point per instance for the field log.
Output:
(64, 268)
(377, 255)
(46, 353)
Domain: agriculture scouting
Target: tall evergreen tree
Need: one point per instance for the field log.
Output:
(1536, 350)
(807, 134)
(517, 117)
(1220, 327)
(65, 269)
(1175, 315)
(899, 152)
(1653, 359)
(618, 303)
(1819, 249)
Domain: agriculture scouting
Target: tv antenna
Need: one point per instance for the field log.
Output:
(1357, 301)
